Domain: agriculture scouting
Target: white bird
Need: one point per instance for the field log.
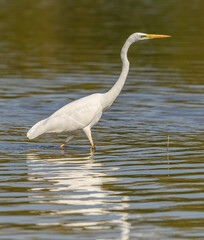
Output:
(84, 113)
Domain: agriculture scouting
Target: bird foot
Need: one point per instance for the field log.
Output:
(62, 145)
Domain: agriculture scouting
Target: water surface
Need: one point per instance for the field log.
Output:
(132, 187)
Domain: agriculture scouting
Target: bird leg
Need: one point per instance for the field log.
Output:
(67, 140)
(87, 131)
(92, 147)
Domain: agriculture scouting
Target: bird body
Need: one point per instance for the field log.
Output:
(70, 117)
(84, 113)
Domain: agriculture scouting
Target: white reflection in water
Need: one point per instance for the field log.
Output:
(80, 184)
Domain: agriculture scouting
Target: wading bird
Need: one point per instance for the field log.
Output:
(84, 113)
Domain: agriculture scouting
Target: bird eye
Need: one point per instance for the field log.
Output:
(143, 36)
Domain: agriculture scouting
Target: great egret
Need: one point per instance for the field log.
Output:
(84, 113)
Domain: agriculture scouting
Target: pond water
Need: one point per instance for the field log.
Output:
(146, 177)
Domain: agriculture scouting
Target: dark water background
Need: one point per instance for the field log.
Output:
(52, 52)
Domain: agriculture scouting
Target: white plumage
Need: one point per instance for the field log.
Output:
(85, 112)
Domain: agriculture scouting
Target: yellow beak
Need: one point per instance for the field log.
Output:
(157, 36)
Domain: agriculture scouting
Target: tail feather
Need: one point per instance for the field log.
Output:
(37, 130)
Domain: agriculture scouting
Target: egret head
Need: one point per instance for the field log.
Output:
(143, 36)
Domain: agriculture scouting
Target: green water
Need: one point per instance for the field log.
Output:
(52, 52)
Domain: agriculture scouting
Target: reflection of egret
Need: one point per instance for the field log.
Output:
(78, 174)
(75, 187)
(84, 113)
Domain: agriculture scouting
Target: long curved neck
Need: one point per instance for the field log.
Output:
(111, 95)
